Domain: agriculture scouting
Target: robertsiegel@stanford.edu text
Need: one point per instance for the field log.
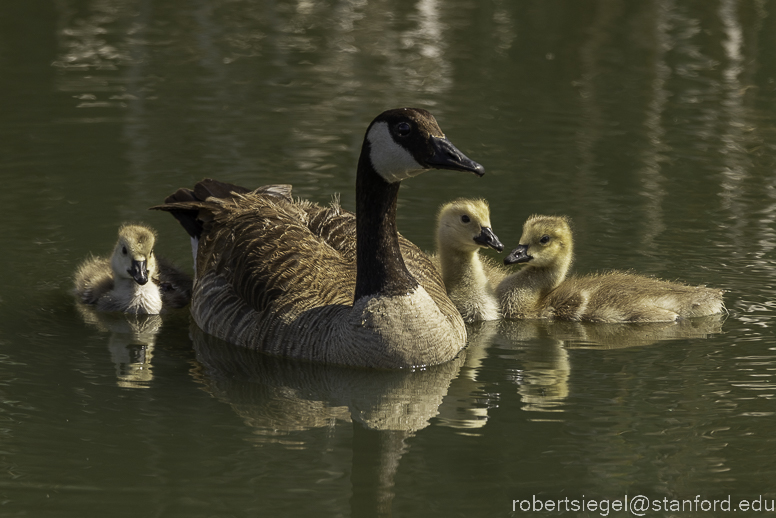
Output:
(639, 505)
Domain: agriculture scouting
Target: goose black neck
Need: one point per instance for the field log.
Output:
(380, 266)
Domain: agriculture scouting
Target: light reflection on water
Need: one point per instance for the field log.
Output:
(650, 124)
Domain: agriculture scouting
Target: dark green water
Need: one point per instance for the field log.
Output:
(651, 124)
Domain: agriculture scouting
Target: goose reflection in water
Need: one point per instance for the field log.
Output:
(278, 397)
(281, 396)
(131, 343)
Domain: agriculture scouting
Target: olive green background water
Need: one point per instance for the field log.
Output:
(651, 124)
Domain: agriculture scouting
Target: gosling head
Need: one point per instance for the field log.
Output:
(133, 257)
(546, 242)
(464, 225)
(407, 141)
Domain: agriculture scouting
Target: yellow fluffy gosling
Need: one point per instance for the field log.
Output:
(463, 227)
(541, 290)
(132, 279)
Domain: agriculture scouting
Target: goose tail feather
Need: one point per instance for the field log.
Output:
(186, 205)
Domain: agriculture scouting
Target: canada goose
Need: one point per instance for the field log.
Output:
(121, 282)
(463, 227)
(295, 279)
(540, 289)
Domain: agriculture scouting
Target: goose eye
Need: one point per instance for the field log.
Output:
(545, 239)
(124, 250)
(403, 129)
(465, 218)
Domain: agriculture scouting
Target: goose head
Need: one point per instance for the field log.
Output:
(464, 225)
(546, 243)
(398, 144)
(404, 142)
(133, 257)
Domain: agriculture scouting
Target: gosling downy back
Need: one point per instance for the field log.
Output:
(132, 279)
(291, 278)
(463, 227)
(540, 289)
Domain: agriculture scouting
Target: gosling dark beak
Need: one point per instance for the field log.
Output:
(446, 156)
(518, 255)
(488, 238)
(139, 272)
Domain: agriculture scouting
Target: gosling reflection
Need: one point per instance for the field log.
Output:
(544, 345)
(466, 404)
(578, 335)
(131, 343)
(543, 382)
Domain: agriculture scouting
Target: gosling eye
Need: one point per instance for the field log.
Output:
(403, 129)
(124, 250)
(545, 239)
(465, 218)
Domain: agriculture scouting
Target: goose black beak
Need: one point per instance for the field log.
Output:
(139, 272)
(447, 156)
(518, 255)
(488, 238)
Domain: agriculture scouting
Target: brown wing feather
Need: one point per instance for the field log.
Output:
(269, 233)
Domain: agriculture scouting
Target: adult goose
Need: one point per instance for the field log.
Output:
(541, 289)
(132, 279)
(463, 227)
(295, 279)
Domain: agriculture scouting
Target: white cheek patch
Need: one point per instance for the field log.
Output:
(390, 160)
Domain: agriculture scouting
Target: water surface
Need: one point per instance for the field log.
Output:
(651, 124)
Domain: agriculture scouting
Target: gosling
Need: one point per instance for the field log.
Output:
(541, 290)
(463, 227)
(132, 279)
